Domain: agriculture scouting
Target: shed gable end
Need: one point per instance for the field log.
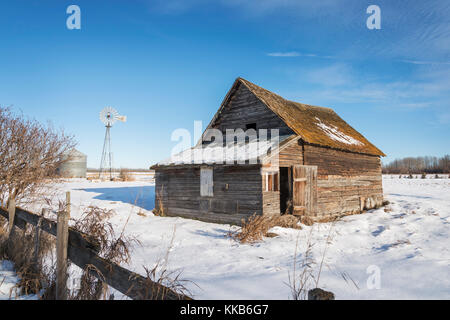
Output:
(242, 110)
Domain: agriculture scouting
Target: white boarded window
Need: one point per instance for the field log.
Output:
(206, 182)
(271, 182)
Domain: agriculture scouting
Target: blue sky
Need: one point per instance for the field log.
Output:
(167, 63)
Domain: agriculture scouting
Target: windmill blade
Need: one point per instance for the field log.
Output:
(108, 116)
(122, 118)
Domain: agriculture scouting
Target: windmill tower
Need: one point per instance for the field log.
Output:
(108, 116)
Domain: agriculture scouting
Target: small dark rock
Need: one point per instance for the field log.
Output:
(271, 235)
(319, 294)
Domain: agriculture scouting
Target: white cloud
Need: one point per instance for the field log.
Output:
(291, 54)
(284, 54)
(426, 62)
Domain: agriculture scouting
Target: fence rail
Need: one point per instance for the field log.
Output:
(82, 250)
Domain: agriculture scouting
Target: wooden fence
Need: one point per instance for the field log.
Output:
(82, 250)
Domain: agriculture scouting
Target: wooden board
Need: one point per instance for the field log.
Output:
(304, 195)
(206, 182)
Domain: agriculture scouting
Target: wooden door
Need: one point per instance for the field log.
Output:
(304, 190)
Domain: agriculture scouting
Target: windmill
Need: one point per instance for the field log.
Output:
(108, 116)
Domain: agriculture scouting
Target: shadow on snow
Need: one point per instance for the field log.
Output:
(143, 197)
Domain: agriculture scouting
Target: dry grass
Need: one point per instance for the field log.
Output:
(20, 249)
(160, 212)
(125, 175)
(164, 279)
(304, 276)
(117, 249)
(35, 278)
(257, 227)
(114, 248)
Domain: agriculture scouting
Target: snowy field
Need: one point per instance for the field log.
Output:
(405, 246)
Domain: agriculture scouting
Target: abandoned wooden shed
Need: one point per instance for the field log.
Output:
(306, 160)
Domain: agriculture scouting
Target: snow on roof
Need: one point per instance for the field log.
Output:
(300, 118)
(334, 133)
(228, 153)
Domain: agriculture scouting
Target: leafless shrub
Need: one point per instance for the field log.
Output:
(125, 175)
(30, 154)
(159, 210)
(257, 226)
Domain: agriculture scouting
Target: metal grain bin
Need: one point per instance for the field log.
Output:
(75, 166)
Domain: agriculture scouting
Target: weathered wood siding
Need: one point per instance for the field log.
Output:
(271, 199)
(237, 193)
(271, 202)
(288, 156)
(347, 182)
(244, 108)
(291, 155)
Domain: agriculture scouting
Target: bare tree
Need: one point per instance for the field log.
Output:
(418, 165)
(30, 154)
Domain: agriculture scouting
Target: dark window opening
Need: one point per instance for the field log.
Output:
(285, 190)
(250, 126)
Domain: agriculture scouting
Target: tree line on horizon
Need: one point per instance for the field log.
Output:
(417, 165)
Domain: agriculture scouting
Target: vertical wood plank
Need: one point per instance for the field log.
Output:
(62, 237)
(37, 239)
(304, 193)
(206, 182)
(12, 214)
(298, 196)
(308, 190)
(314, 210)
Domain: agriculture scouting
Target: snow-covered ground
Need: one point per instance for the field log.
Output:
(398, 252)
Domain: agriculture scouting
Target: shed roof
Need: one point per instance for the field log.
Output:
(315, 125)
(253, 152)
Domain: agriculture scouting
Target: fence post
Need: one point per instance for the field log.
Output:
(37, 239)
(12, 213)
(62, 237)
